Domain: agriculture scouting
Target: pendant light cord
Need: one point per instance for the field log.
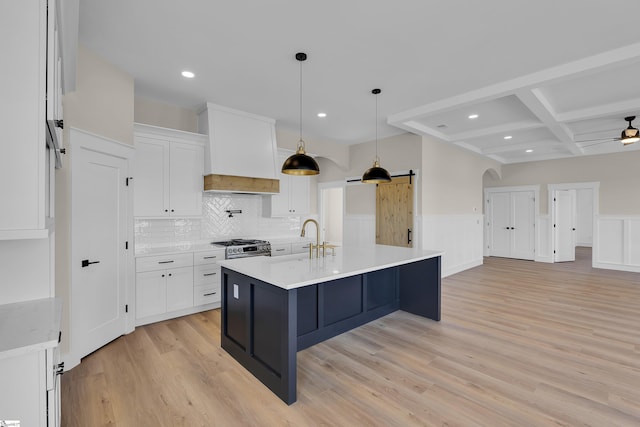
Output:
(377, 158)
(300, 142)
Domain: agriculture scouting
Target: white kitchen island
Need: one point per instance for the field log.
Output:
(272, 307)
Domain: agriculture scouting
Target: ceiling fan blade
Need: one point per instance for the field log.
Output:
(600, 142)
(597, 139)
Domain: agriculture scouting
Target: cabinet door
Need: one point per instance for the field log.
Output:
(281, 249)
(280, 201)
(179, 288)
(299, 187)
(151, 293)
(186, 182)
(151, 195)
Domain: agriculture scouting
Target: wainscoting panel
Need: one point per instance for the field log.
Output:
(617, 243)
(459, 236)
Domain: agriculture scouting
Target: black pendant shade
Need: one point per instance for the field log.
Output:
(376, 174)
(300, 163)
(630, 134)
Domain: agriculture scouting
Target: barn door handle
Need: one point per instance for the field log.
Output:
(86, 263)
(408, 236)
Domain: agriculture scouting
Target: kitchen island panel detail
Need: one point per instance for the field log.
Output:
(264, 341)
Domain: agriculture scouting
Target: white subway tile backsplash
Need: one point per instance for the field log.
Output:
(215, 223)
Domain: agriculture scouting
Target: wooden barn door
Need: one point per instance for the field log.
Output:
(394, 212)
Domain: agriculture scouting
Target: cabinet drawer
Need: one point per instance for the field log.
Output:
(300, 247)
(280, 249)
(206, 294)
(208, 257)
(206, 275)
(161, 262)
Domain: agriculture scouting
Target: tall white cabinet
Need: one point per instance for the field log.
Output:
(168, 177)
(30, 89)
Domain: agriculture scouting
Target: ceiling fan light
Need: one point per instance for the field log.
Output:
(630, 134)
(376, 174)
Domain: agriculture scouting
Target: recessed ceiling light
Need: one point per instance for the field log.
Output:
(322, 115)
(529, 151)
(508, 137)
(188, 74)
(473, 116)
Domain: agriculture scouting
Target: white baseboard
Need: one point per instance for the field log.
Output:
(461, 267)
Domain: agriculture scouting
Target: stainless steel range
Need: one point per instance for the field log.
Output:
(242, 248)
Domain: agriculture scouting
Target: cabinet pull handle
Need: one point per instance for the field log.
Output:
(209, 274)
(279, 250)
(209, 294)
(211, 257)
(165, 262)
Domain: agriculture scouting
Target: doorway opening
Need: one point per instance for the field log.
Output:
(573, 209)
(331, 209)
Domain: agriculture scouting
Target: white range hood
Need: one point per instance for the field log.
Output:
(241, 145)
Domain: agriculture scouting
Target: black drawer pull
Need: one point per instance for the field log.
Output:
(165, 262)
(209, 274)
(210, 257)
(209, 294)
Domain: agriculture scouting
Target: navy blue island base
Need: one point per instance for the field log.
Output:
(264, 326)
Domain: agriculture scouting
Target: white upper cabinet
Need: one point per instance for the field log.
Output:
(168, 177)
(240, 144)
(24, 33)
(294, 197)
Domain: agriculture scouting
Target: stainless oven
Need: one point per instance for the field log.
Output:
(242, 248)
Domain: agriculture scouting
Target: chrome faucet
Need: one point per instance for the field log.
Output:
(317, 245)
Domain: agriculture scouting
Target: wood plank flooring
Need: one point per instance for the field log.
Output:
(520, 344)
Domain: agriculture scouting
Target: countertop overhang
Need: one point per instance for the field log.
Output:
(294, 271)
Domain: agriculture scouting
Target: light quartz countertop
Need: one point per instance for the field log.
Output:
(202, 246)
(294, 271)
(29, 326)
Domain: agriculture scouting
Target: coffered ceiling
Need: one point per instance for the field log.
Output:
(574, 109)
(549, 74)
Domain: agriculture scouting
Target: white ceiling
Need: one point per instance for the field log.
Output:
(548, 73)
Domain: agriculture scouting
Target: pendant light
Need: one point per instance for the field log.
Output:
(299, 163)
(630, 134)
(376, 174)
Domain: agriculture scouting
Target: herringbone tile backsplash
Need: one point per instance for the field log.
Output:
(216, 224)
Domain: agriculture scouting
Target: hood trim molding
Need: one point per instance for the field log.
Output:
(241, 184)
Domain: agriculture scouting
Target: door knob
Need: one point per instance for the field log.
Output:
(86, 263)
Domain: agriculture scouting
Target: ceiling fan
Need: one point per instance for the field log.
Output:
(627, 137)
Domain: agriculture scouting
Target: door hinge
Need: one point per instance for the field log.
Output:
(127, 180)
(126, 308)
(554, 226)
(126, 245)
(554, 251)
(554, 199)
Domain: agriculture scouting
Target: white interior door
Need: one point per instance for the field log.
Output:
(98, 255)
(564, 228)
(500, 224)
(522, 225)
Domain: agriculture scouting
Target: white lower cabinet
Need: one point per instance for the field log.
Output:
(164, 283)
(30, 362)
(206, 277)
(300, 247)
(280, 249)
(175, 285)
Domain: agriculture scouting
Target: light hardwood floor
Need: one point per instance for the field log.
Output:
(520, 344)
